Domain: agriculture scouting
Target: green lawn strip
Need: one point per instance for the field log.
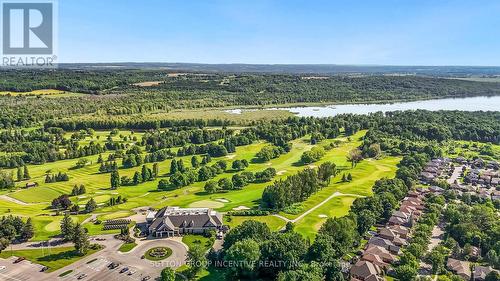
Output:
(67, 272)
(192, 239)
(53, 258)
(273, 222)
(126, 247)
(309, 225)
(149, 255)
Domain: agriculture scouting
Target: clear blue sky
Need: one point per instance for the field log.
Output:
(395, 32)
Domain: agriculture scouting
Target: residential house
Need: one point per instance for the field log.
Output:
(384, 243)
(480, 272)
(382, 252)
(365, 270)
(461, 268)
(402, 231)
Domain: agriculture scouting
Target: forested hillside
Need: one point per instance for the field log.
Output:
(116, 93)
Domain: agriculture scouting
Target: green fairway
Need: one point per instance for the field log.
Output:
(53, 258)
(36, 194)
(336, 207)
(273, 222)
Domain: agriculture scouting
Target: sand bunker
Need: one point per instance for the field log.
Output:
(241, 208)
(322, 216)
(279, 173)
(223, 200)
(230, 156)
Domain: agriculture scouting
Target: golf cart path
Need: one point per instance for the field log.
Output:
(335, 194)
(14, 200)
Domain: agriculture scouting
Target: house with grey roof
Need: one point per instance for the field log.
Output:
(173, 221)
(480, 272)
(461, 268)
(384, 243)
(365, 270)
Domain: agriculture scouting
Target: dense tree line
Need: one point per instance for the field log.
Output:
(193, 91)
(269, 152)
(474, 225)
(180, 136)
(238, 181)
(298, 187)
(14, 228)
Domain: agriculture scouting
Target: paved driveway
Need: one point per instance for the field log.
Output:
(95, 266)
(25, 270)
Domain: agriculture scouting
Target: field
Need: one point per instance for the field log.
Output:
(45, 93)
(34, 202)
(53, 258)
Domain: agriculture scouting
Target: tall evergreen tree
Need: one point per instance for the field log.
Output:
(26, 174)
(90, 206)
(19, 174)
(173, 167)
(195, 162)
(67, 227)
(137, 178)
(27, 231)
(81, 239)
(115, 180)
(156, 170)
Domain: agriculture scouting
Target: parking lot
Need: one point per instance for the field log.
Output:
(95, 267)
(99, 270)
(22, 271)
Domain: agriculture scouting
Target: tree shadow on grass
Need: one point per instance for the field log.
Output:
(298, 164)
(60, 256)
(256, 160)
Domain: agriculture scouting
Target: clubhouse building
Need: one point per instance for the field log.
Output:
(174, 221)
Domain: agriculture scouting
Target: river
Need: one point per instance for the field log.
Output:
(463, 104)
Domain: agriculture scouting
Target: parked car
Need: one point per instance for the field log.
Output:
(19, 259)
(81, 276)
(113, 265)
(45, 268)
(2, 267)
(146, 278)
(124, 270)
(130, 272)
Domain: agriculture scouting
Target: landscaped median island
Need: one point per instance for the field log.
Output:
(127, 247)
(158, 253)
(54, 258)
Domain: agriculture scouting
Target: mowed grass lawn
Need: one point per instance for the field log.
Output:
(54, 258)
(273, 222)
(309, 225)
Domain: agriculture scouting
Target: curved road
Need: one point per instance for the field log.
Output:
(97, 269)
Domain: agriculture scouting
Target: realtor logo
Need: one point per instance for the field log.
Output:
(28, 33)
(27, 28)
